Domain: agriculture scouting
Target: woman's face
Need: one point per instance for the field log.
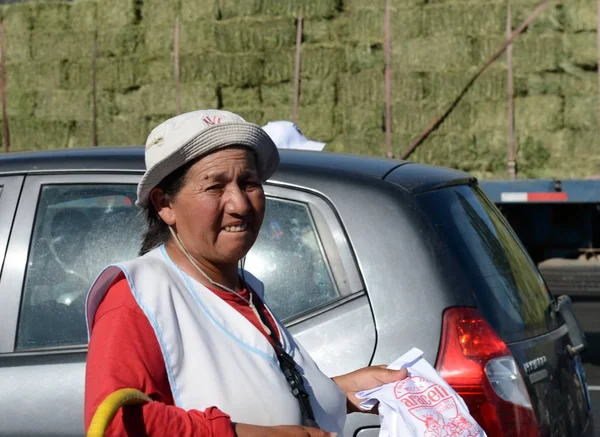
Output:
(220, 208)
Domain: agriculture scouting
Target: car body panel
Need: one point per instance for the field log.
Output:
(42, 394)
(556, 390)
(10, 190)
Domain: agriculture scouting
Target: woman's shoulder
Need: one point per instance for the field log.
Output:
(118, 300)
(118, 296)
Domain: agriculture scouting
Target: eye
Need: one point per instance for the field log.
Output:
(215, 187)
(251, 183)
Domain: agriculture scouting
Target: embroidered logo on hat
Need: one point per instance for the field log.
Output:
(212, 120)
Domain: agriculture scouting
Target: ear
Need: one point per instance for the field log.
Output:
(163, 206)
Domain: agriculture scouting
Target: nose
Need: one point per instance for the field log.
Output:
(237, 202)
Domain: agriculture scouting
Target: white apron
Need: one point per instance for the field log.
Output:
(213, 355)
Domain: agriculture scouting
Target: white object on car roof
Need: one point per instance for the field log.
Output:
(287, 135)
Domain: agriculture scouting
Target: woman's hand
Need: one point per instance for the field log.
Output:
(365, 379)
(245, 430)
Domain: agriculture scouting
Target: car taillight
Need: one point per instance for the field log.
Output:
(476, 362)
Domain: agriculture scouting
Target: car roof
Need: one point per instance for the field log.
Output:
(311, 164)
(90, 159)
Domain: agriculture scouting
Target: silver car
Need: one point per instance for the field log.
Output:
(362, 258)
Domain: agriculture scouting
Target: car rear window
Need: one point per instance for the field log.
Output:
(508, 288)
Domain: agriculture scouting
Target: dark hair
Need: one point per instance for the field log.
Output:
(156, 232)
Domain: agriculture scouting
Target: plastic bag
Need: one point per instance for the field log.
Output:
(422, 405)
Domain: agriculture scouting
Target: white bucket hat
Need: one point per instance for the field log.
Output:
(286, 135)
(188, 136)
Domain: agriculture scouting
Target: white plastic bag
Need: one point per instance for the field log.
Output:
(422, 405)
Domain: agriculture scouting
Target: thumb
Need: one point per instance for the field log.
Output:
(388, 375)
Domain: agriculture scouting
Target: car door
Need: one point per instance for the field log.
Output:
(66, 228)
(311, 279)
(313, 283)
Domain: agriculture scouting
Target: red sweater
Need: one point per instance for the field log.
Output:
(124, 353)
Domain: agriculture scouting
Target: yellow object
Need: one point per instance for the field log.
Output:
(109, 407)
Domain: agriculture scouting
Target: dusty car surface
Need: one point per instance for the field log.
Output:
(362, 258)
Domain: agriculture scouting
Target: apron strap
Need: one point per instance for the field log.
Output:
(290, 371)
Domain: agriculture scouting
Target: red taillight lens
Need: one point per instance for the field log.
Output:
(476, 362)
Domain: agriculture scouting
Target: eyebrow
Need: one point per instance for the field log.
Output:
(222, 176)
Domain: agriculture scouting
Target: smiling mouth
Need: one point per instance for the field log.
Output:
(240, 228)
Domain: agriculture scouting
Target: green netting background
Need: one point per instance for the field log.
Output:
(239, 55)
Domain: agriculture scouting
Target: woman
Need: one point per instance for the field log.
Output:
(182, 324)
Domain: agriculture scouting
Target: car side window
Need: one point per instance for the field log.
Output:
(288, 257)
(78, 230)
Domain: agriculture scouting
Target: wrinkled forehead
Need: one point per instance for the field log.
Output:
(231, 158)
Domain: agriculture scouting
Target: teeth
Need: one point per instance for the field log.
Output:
(236, 228)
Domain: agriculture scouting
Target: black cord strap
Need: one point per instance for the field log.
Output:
(290, 371)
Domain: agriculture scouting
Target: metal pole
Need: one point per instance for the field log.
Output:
(296, 103)
(176, 49)
(598, 44)
(3, 90)
(512, 165)
(388, 84)
(94, 93)
(438, 121)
